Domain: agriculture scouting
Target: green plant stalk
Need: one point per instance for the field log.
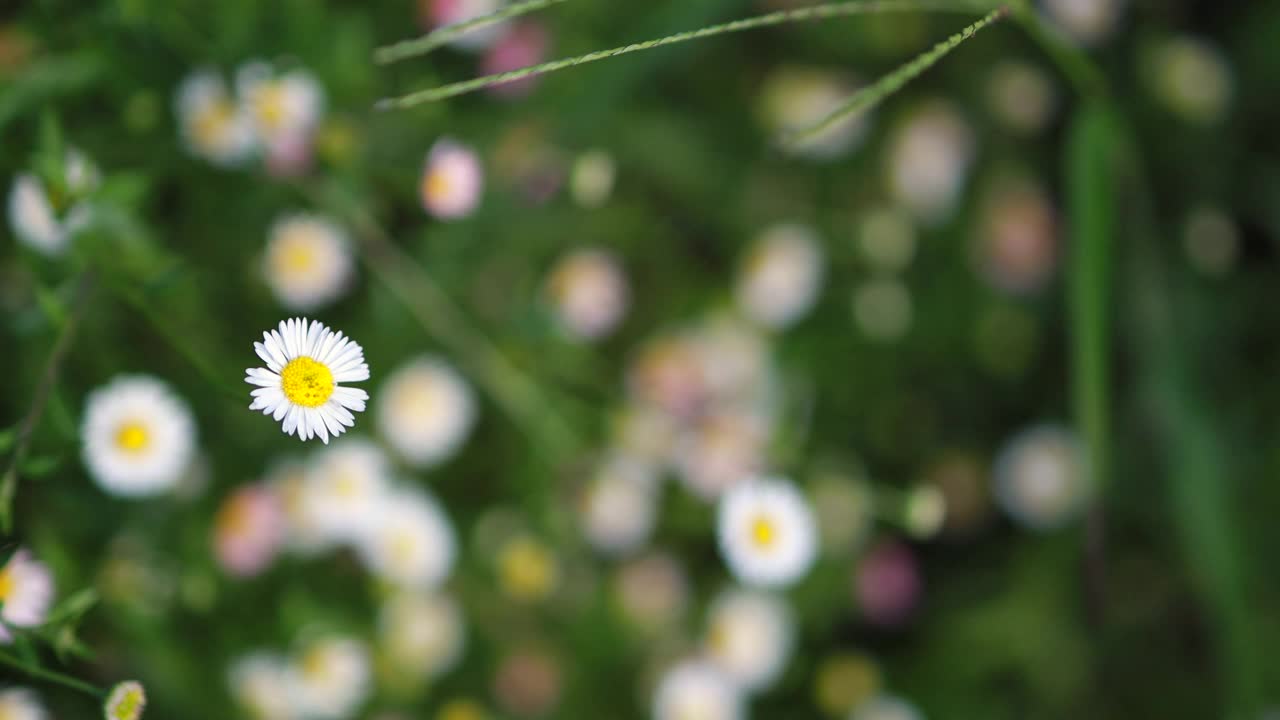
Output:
(441, 36)
(1081, 72)
(52, 676)
(9, 483)
(872, 95)
(819, 12)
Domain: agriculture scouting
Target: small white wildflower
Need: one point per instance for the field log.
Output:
(767, 532)
(308, 261)
(139, 437)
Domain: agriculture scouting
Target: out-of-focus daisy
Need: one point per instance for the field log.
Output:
(306, 362)
(652, 591)
(589, 293)
(523, 44)
(724, 447)
(1016, 246)
(1088, 21)
(795, 98)
(845, 681)
(438, 13)
(345, 490)
(287, 479)
(886, 707)
(1191, 78)
(1211, 240)
(126, 701)
(411, 544)
(18, 703)
(248, 530)
(592, 177)
(260, 684)
(882, 309)
(213, 125)
(308, 261)
(668, 373)
(138, 436)
(452, 180)
(527, 568)
(1040, 477)
(644, 432)
(462, 709)
(767, 532)
(425, 411)
(781, 276)
(330, 678)
(749, 637)
(929, 157)
(735, 361)
(1021, 96)
(281, 106)
(26, 591)
(924, 510)
(45, 215)
(694, 689)
(887, 584)
(619, 506)
(420, 635)
(528, 682)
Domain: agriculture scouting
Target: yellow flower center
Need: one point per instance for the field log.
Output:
(129, 705)
(306, 382)
(461, 710)
(270, 106)
(133, 437)
(6, 582)
(763, 532)
(210, 125)
(315, 664)
(295, 256)
(434, 186)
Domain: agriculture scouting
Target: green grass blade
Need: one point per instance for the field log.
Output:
(440, 36)
(818, 12)
(874, 94)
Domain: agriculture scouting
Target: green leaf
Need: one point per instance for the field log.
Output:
(39, 465)
(7, 436)
(54, 309)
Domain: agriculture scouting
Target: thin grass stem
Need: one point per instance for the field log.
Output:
(53, 676)
(818, 12)
(440, 36)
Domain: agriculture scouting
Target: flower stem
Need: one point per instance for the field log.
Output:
(818, 12)
(51, 675)
(9, 484)
(440, 36)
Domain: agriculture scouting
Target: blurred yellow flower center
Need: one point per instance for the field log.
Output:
(6, 582)
(132, 437)
(461, 710)
(270, 106)
(527, 570)
(210, 125)
(435, 185)
(306, 382)
(315, 664)
(129, 705)
(403, 549)
(295, 256)
(763, 532)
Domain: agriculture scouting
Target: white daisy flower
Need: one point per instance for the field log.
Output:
(260, 684)
(929, 159)
(330, 678)
(281, 106)
(139, 437)
(18, 703)
(694, 689)
(780, 279)
(452, 180)
(212, 124)
(426, 411)
(1041, 478)
(126, 701)
(592, 177)
(306, 361)
(346, 485)
(620, 506)
(412, 544)
(43, 217)
(26, 591)
(886, 707)
(589, 293)
(422, 635)
(767, 532)
(308, 261)
(749, 637)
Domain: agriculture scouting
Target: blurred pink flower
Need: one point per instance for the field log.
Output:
(248, 530)
(523, 45)
(290, 156)
(452, 180)
(887, 584)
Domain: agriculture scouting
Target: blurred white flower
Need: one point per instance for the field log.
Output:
(426, 411)
(308, 261)
(750, 635)
(668, 374)
(345, 490)
(844, 508)
(592, 177)
(303, 533)
(438, 13)
(1041, 477)
(1021, 96)
(735, 361)
(796, 98)
(928, 159)
(620, 505)
(139, 438)
(924, 511)
(26, 591)
(260, 684)
(589, 293)
(766, 532)
(248, 530)
(281, 106)
(643, 431)
(19, 703)
(781, 276)
(652, 591)
(1191, 77)
(721, 449)
(330, 678)
(411, 544)
(213, 125)
(1016, 245)
(421, 635)
(45, 217)
(1088, 21)
(126, 701)
(306, 361)
(452, 180)
(695, 689)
